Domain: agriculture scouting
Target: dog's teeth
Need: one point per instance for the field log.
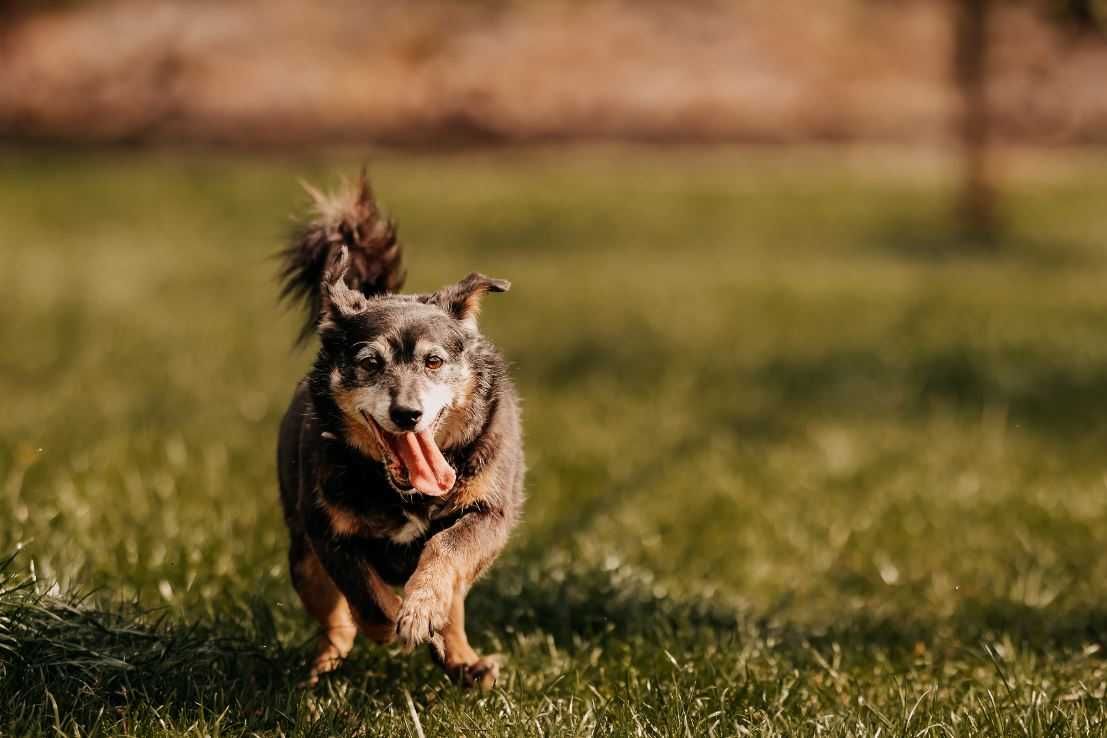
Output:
(329, 436)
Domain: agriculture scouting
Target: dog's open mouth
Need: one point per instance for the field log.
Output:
(413, 461)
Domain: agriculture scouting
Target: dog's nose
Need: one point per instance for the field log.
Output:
(405, 417)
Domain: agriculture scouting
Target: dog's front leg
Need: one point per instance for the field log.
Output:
(451, 560)
(374, 604)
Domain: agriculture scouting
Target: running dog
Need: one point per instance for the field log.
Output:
(400, 457)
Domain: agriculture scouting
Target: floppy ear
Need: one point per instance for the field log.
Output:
(462, 300)
(338, 299)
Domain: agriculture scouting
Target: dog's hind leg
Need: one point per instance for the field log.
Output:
(325, 603)
(456, 657)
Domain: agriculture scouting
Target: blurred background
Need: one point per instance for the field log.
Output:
(808, 316)
(504, 71)
(921, 73)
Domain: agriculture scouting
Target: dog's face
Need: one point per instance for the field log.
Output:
(398, 365)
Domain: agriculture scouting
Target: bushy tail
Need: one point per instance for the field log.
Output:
(348, 216)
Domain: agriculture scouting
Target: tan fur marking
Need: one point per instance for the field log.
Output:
(342, 522)
(456, 656)
(454, 640)
(473, 490)
(325, 603)
(357, 434)
(360, 437)
(413, 528)
(455, 425)
(386, 598)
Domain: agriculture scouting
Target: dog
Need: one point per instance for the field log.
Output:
(400, 457)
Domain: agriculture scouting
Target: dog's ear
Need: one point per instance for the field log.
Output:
(462, 300)
(339, 301)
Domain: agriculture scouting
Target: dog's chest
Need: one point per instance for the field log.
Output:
(415, 527)
(397, 525)
(364, 505)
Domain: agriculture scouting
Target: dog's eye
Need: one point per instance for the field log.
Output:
(433, 362)
(370, 363)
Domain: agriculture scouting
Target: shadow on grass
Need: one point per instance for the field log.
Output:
(1048, 396)
(67, 665)
(620, 603)
(940, 240)
(1047, 392)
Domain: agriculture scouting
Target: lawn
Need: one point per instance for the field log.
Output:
(797, 466)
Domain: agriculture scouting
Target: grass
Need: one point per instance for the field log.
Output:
(796, 467)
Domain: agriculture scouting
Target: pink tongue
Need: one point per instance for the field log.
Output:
(427, 469)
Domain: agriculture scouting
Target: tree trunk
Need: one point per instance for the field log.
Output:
(977, 205)
(1081, 14)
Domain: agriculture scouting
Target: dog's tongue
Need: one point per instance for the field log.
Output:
(427, 470)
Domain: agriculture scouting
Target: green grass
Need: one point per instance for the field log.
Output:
(795, 468)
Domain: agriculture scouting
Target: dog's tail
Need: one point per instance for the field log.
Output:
(347, 216)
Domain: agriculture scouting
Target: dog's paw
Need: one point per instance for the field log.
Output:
(422, 615)
(481, 674)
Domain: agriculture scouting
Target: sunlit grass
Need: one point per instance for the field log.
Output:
(796, 465)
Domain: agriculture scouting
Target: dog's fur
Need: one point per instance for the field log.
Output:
(357, 531)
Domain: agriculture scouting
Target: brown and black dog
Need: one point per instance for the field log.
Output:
(400, 458)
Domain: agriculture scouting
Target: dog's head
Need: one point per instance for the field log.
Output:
(398, 365)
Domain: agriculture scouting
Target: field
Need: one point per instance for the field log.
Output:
(798, 466)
